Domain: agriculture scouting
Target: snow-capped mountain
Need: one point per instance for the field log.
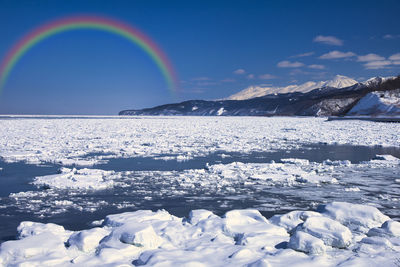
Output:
(377, 80)
(378, 95)
(378, 103)
(339, 81)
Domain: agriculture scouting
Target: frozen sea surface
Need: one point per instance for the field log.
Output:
(90, 141)
(73, 171)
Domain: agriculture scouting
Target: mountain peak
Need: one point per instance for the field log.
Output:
(339, 81)
(377, 80)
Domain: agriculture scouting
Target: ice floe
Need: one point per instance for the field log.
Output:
(85, 142)
(239, 238)
(331, 232)
(75, 189)
(357, 217)
(335, 233)
(89, 179)
(307, 243)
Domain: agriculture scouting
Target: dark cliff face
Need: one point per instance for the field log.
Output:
(319, 102)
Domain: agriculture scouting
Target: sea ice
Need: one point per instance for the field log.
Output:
(307, 243)
(389, 228)
(291, 219)
(240, 237)
(228, 181)
(87, 240)
(337, 233)
(89, 179)
(85, 142)
(355, 216)
(28, 228)
(331, 232)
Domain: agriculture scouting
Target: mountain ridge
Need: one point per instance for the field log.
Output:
(326, 101)
(339, 81)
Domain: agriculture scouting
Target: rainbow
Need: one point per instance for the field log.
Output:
(94, 23)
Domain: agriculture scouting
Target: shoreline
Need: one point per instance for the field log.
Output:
(376, 119)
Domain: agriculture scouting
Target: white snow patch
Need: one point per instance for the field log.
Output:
(355, 216)
(87, 240)
(28, 228)
(307, 243)
(220, 111)
(331, 232)
(352, 189)
(89, 179)
(378, 103)
(291, 219)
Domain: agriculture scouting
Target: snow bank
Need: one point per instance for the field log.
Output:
(331, 232)
(307, 243)
(355, 216)
(87, 240)
(45, 249)
(389, 228)
(27, 228)
(291, 219)
(240, 238)
(250, 228)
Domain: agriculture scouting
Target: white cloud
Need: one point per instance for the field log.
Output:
(250, 76)
(378, 64)
(205, 83)
(391, 36)
(201, 79)
(316, 66)
(395, 57)
(299, 72)
(303, 55)
(228, 80)
(239, 71)
(370, 57)
(288, 64)
(266, 76)
(330, 40)
(337, 54)
(196, 91)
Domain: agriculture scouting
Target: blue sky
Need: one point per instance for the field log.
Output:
(217, 48)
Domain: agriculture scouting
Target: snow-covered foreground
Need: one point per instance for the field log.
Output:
(89, 141)
(240, 208)
(340, 233)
